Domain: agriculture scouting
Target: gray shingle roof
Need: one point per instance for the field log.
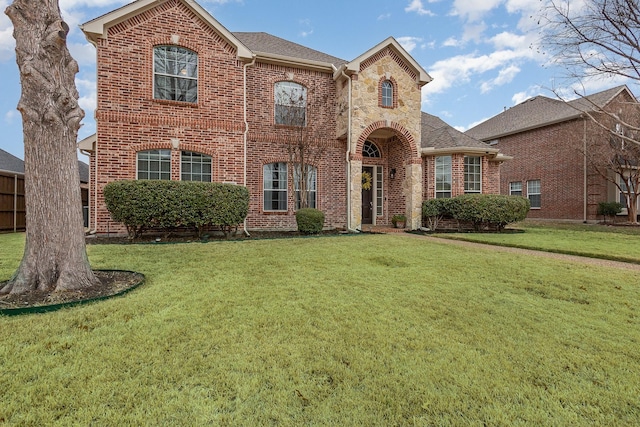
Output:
(83, 168)
(438, 134)
(538, 112)
(266, 43)
(10, 163)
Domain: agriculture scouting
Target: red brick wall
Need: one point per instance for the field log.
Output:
(130, 120)
(553, 155)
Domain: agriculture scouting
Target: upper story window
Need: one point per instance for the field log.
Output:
(175, 74)
(154, 164)
(472, 174)
(369, 149)
(443, 177)
(195, 167)
(387, 93)
(290, 104)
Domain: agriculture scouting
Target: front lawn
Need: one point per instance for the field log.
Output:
(349, 330)
(621, 243)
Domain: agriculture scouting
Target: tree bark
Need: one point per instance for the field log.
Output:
(55, 257)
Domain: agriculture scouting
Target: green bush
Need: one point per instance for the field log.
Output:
(433, 210)
(145, 204)
(309, 220)
(609, 209)
(486, 211)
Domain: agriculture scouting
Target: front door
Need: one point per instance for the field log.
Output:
(367, 194)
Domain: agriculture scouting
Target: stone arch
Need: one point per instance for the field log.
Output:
(405, 137)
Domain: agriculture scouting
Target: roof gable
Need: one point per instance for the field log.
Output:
(541, 111)
(390, 45)
(98, 28)
(441, 137)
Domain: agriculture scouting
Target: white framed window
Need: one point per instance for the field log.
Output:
(175, 74)
(290, 104)
(154, 164)
(379, 191)
(515, 188)
(443, 177)
(534, 193)
(312, 175)
(387, 93)
(472, 174)
(275, 186)
(195, 167)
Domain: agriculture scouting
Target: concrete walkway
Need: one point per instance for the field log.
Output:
(528, 252)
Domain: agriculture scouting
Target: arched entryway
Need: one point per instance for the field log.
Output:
(387, 170)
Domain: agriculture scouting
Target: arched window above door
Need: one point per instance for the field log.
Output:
(369, 149)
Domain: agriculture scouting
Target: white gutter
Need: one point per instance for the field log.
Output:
(246, 131)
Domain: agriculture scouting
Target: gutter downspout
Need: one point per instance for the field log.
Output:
(94, 229)
(348, 157)
(246, 131)
(585, 191)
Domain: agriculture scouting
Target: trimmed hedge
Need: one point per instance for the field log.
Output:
(309, 220)
(483, 211)
(144, 204)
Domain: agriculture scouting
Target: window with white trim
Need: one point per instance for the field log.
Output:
(443, 177)
(175, 74)
(290, 104)
(275, 186)
(387, 93)
(472, 174)
(312, 174)
(379, 191)
(515, 188)
(154, 164)
(534, 193)
(195, 167)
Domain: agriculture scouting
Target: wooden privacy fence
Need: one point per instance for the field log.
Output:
(12, 204)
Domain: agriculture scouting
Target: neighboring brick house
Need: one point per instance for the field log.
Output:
(548, 139)
(181, 97)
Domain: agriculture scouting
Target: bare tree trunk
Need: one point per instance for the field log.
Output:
(55, 255)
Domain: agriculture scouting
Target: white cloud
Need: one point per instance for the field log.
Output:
(88, 98)
(384, 16)
(10, 116)
(307, 27)
(417, 7)
(83, 53)
(409, 43)
(474, 10)
(506, 75)
(7, 43)
(452, 42)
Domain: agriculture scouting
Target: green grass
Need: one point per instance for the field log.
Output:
(347, 331)
(595, 241)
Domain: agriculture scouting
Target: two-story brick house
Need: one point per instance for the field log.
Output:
(550, 141)
(182, 97)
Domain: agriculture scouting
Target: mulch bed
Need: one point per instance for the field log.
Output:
(112, 282)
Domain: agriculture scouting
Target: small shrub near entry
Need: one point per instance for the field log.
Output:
(609, 209)
(309, 220)
(433, 210)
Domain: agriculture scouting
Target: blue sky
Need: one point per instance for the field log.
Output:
(482, 54)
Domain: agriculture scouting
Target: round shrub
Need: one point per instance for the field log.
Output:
(309, 220)
(489, 210)
(433, 210)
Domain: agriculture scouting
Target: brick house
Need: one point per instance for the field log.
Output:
(182, 97)
(548, 139)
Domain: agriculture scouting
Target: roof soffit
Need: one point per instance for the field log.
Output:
(99, 27)
(354, 66)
